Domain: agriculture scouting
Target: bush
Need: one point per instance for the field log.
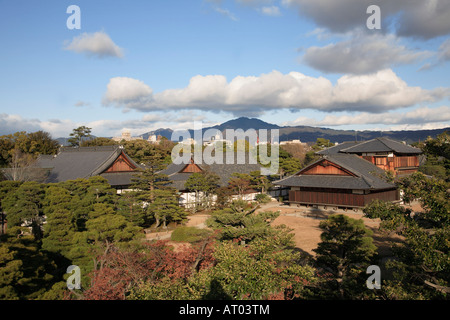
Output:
(189, 234)
(262, 198)
(437, 171)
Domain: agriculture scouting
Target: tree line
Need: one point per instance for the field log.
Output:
(241, 256)
(84, 222)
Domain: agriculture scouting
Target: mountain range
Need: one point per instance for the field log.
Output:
(304, 133)
(310, 134)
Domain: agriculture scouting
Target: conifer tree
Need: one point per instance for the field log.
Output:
(204, 185)
(345, 252)
(165, 208)
(60, 226)
(24, 206)
(240, 222)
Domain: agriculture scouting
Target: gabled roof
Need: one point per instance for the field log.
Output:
(82, 162)
(367, 176)
(224, 171)
(119, 178)
(337, 148)
(381, 145)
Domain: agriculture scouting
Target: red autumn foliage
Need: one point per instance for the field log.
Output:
(117, 271)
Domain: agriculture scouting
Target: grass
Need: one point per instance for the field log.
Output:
(189, 234)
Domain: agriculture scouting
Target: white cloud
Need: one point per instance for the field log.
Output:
(13, 123)
(320, 33)
(10, 123)
(128, 92)
(97, 44)
(440, 57)
(425, 19)
(273, 11)
(411, 18)
(361, 54)
(444, 51)
(373, 93)
(226, 13)
(80, 103)
(254, 2)
(417, 117)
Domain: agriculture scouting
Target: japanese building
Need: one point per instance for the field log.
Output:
(387, 154)
(352, 174)
(109, 162)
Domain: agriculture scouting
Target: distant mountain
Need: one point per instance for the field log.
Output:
(166, 132)
(245, 124)
(310, 134)
(305, 133)
(65, 141)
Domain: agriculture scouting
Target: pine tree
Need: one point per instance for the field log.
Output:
(240, 222)
(259, 181)
(60, 226)
(26, 272)
(239, 183)
(78, 134)
(134, 211)
(204, 184)
(24, 206)
(345, 251)
(165, 208)
(147, 181)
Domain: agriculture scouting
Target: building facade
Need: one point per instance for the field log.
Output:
(109, 162)
(387, 154)
(352, 174)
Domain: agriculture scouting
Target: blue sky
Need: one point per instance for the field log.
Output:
(143, 65)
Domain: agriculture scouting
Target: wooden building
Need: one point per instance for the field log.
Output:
(179, 173)
(110, 162)
(387, 154)
(339, 180)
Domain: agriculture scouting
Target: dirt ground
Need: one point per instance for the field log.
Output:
(305, 224)
(195, 220)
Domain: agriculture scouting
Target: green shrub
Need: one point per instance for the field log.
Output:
(189, 234)
(262, 198)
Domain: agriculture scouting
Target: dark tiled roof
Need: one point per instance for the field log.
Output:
(324, 181)
(367, 176)
(84, 162)
(224, 171)
(337, 148)
(382, 145)
(119, 178)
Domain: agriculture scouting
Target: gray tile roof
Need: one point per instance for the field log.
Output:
(337, 148)
(83, 162)
(119, 178)
(382, 145)
(367, 176)
(224, 171)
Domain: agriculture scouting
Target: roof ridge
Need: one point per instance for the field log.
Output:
(384, 138)
(89, 149)
(352, 170)
(97, 170)
(358, 144)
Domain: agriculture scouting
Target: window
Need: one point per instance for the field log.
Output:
(380, 161)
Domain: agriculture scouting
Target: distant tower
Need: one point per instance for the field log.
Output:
(126, 135)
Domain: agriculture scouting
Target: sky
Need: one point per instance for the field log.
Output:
(140, 65)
